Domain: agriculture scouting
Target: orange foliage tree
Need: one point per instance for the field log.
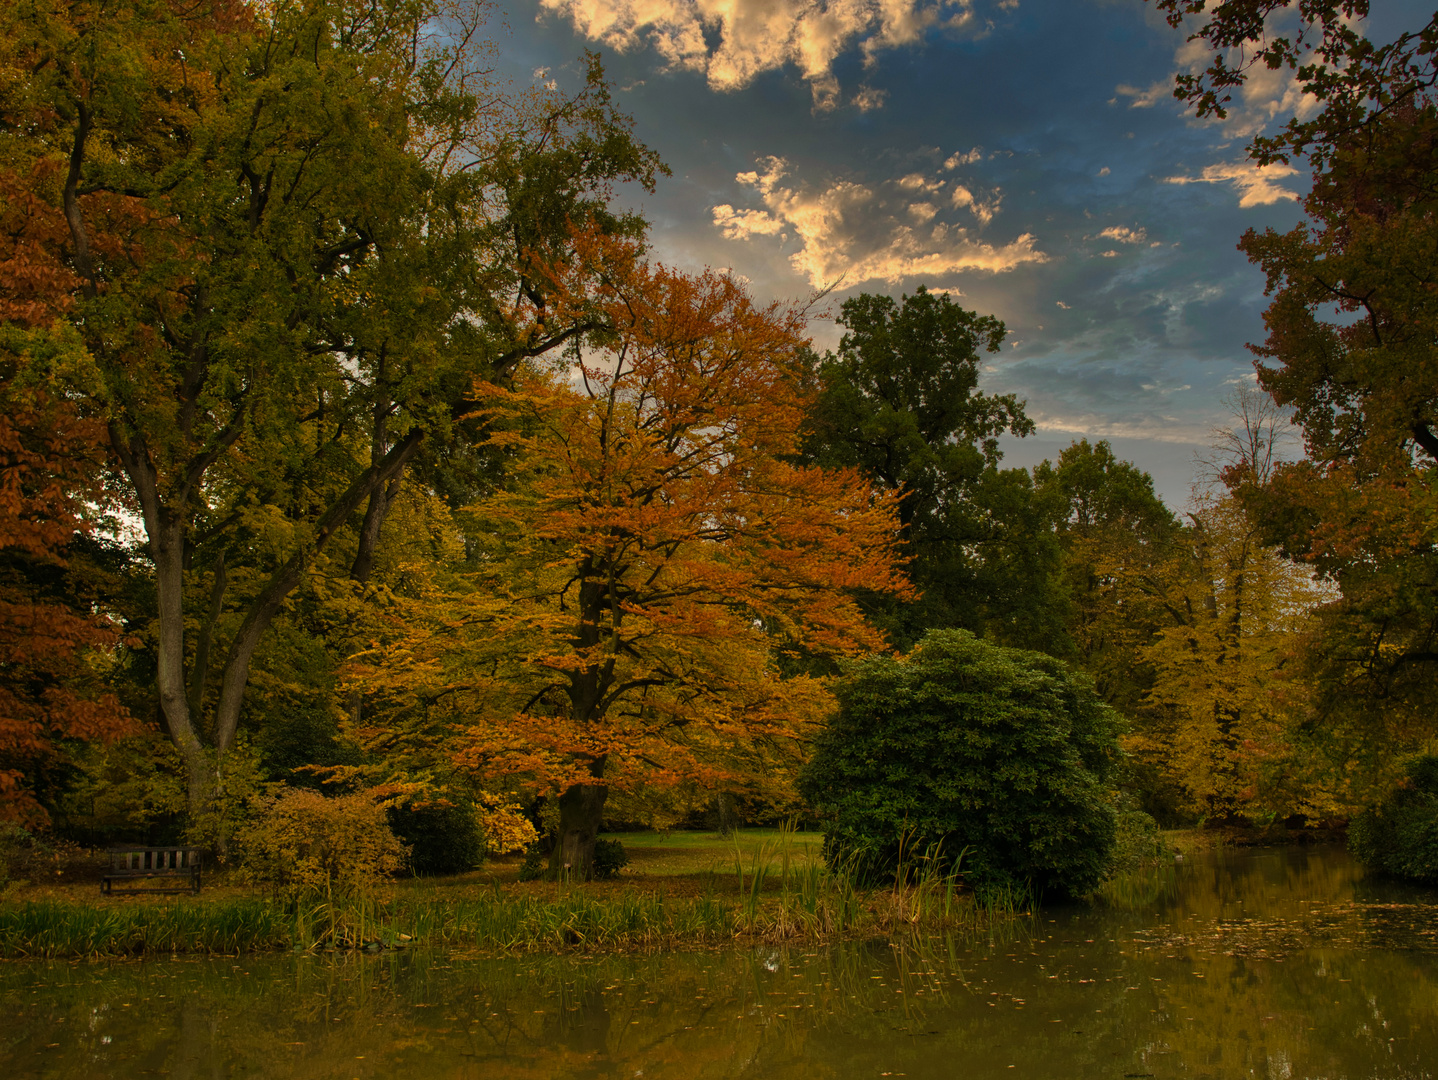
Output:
(50, 470)
(656, 556)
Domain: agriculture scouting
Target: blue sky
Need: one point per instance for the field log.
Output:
(1025, 154)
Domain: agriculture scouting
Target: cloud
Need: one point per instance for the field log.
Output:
(868, 99)
(955, 160)
(732, 41)
(1257, 184)
(1061, 304)
(1123, 234)
(864, 232)
(1104, 171)
(1148, 96)
(982, 209)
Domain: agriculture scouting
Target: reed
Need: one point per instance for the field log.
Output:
(779, 898)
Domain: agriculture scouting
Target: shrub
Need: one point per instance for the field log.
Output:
(1399, 836)
(443, 838)
(505, 828)
(609, 858)
(967, 745)
(304, 844)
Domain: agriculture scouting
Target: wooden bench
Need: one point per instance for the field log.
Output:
(146, 865)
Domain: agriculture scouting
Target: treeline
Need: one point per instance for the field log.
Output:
(352, 440)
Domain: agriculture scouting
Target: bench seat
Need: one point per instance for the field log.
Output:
(150, 870)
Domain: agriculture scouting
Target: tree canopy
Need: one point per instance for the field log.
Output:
(900, 402)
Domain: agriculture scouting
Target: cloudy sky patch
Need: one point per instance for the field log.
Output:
(1026, 156)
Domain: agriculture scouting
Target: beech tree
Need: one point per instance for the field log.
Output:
(296, 232)
(653, 555)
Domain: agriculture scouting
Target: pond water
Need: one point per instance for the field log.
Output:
(1279, 964)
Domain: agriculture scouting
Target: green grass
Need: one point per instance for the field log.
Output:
(680, 854)
(762, 885)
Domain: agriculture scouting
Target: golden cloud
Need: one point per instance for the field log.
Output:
(732, 41)
(859, 232)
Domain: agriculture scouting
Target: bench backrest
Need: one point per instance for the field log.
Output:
(154, 860)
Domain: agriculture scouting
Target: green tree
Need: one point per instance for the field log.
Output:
(298, 232)
(1117, 537)
(969, 745)
(900, 402)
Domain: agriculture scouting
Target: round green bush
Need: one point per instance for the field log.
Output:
(966, 746)
(1400, 835)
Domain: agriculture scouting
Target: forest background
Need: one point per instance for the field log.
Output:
(352, 441)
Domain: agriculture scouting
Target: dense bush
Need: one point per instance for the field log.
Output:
(1400, 835)
(969, 745)
(443, 838)
(304, 844)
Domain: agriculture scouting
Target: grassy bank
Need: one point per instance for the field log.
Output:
(812, 905)
(686, 889)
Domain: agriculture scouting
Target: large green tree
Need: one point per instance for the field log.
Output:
(298, 232)
(900, 401)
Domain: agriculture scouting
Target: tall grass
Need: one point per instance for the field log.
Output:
(779, 897)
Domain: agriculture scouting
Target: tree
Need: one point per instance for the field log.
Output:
(295, 233)
(900, 402)
(1237, 608)
(652, 557)
(999, 754)
(54, 635)
(1117, 538)
(1349, 349)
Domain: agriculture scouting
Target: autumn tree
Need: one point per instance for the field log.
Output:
(1351, 330)
(295, 234)
(654, 554)
(900, 402)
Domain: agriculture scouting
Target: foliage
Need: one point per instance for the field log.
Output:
(1350, 332)
(1354, 83)
(1399, 836)
(304, 845)
(1118, 540)
(997, 753)
(653, 557)
(503, 825)
(536, 859)
(900, 403)
(1221, 705)
(58, 643)
(1137, 840)
(287, 238)
(443, 838)
(609, 858)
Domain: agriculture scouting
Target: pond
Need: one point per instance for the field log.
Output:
(1278, 964)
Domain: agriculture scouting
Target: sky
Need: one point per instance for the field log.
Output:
(1025, 155)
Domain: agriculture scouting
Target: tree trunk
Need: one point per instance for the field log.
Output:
(581, 810)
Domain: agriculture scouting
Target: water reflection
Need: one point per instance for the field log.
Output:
(1277, 965)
